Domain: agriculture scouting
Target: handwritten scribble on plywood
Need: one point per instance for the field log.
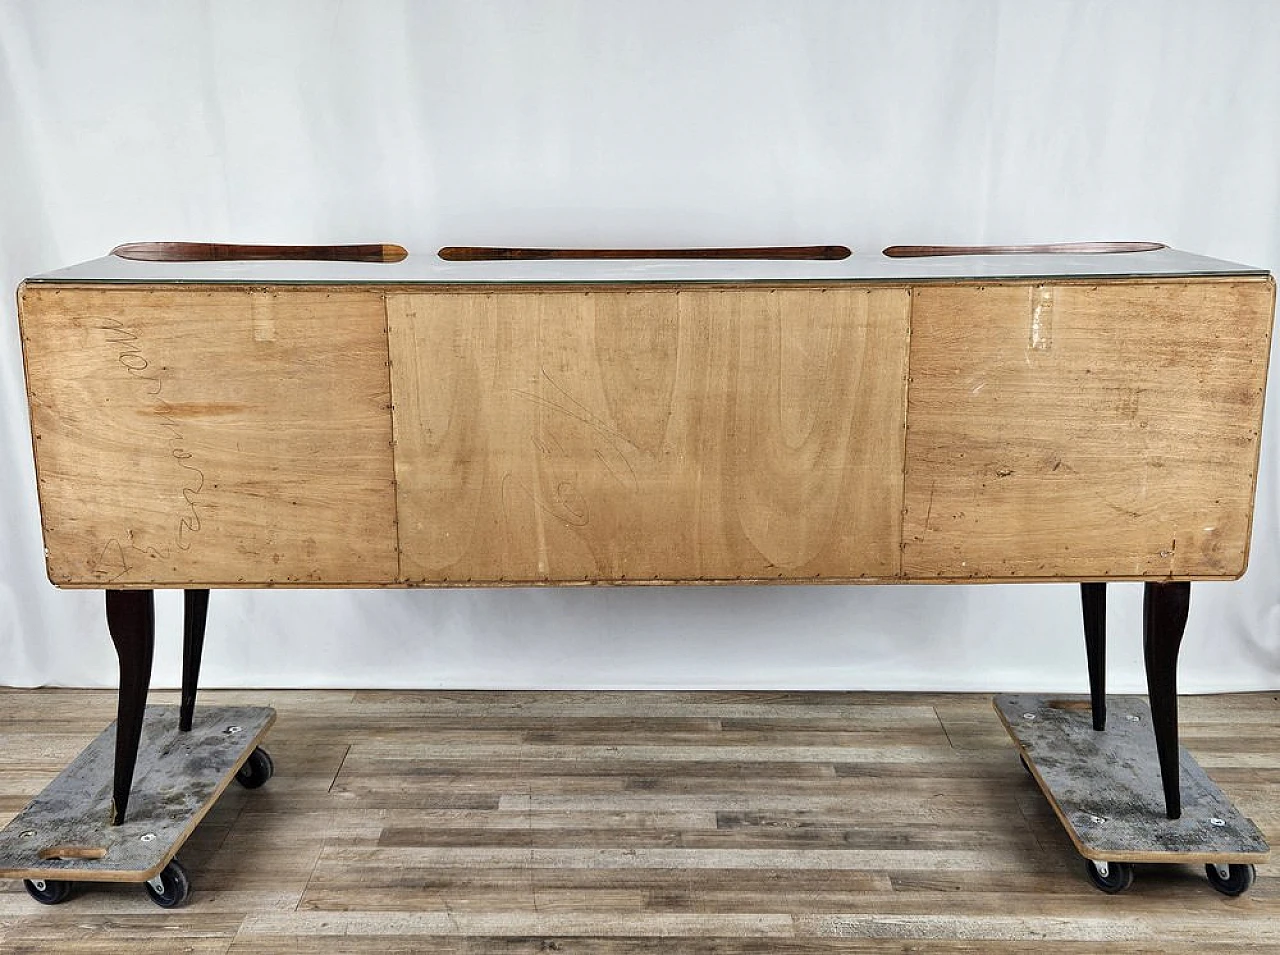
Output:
(211, 436)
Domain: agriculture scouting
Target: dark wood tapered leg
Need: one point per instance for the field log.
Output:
(195, 612)
(1164, 618)
(1093, 598)
(131, 618)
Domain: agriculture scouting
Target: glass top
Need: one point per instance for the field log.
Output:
(429, 269)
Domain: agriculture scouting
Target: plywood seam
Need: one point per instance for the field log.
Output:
(906, 423)
(391, 411)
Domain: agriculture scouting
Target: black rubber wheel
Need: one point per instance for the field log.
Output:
(1239, 879)
(1119, 876)
(176, 887)
(48, 891)
(257, 769)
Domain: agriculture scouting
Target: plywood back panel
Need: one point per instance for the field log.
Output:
(649, 435)
(235, 436)
(1084, 430)
(215, 436)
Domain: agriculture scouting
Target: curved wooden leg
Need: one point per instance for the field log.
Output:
(132, 622)
(1164, 618)
(195, 613)
(1093, 598)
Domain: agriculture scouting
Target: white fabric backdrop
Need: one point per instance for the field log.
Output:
(620, 123)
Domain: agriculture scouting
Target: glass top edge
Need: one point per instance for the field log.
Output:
(51, 278)
(865, 268)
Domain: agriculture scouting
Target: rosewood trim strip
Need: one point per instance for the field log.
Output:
(221, 252)
(459, 253)
(1061, 248)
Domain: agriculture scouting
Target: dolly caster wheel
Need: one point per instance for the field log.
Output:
(50, 891)
(257, 769)
(171, 887)
(1231, 880)
(1109, 877)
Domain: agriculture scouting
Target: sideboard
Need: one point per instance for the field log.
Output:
(983, 418)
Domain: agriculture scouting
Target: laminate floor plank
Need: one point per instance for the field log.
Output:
(586, 945)
(721, 823)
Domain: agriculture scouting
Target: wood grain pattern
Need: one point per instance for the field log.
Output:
(639, 436)
(188, 435)
(225, 252)
(210, 435)
(926, 835)
(1084, 430)
(472, 253)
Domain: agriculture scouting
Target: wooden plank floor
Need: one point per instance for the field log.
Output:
(642, 822)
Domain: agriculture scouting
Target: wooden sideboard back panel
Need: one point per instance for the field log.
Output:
(341, 436)
(218, 436)
(1082, 430)
(649, 435)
